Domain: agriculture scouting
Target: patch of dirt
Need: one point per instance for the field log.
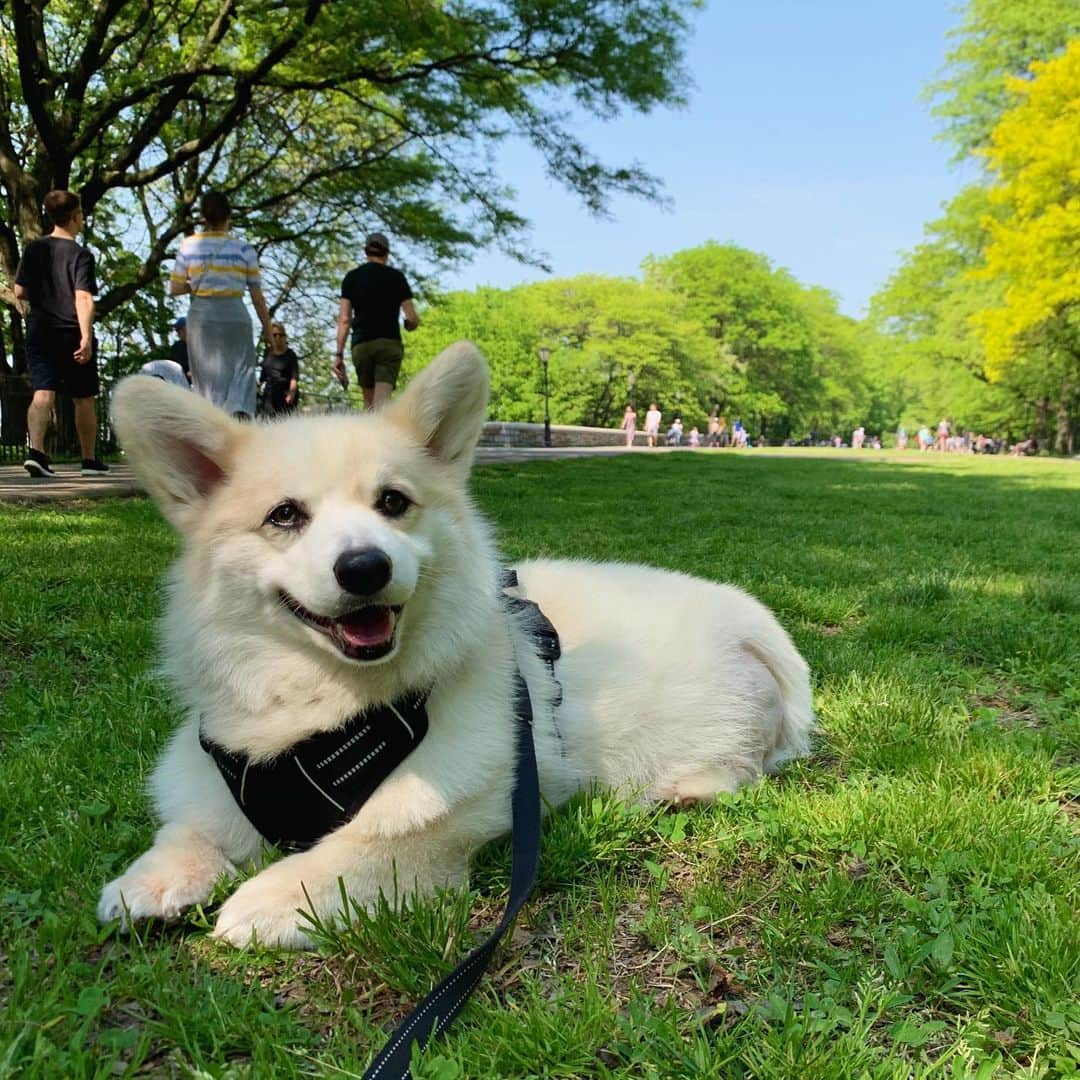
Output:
(1010, 713)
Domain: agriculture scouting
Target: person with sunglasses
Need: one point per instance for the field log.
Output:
(279, 379)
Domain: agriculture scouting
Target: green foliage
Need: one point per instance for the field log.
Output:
(942, 309)
(1033, 333)
(924, 312)
(758, 316)
(320, 120)
(715, 326)
(996, 39)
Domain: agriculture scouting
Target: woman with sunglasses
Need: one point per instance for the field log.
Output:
(280, 376)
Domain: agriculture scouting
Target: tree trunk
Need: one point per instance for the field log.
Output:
(1065, 435)
(1042, 411)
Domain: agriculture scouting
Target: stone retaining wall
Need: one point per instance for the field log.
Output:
(503, 433)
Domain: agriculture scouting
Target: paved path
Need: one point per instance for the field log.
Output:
(18, 487)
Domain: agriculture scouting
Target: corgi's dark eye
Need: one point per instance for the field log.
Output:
(287, 515)
(393, 503)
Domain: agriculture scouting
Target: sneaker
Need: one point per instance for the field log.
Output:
(93, 467)
(38, 465)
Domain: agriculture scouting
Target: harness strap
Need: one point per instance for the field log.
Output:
(432, 1015)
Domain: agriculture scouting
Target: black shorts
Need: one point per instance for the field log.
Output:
(50, 362)
(377, 361)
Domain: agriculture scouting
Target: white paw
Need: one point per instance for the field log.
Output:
(161, 883)
(266, 910)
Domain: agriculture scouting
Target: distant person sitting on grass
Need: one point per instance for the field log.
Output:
(674, 435)
(56, 275)
(695, 437)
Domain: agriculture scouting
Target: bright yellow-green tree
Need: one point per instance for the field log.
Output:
(1034, 248)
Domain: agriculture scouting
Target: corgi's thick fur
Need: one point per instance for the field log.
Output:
(673, 688)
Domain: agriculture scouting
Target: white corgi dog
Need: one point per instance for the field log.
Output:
(333, 566)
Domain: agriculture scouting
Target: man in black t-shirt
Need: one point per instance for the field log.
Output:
(56, 276)
(372, 294)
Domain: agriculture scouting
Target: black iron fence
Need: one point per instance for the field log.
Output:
(61, 442)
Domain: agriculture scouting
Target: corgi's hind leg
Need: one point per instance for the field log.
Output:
(705, 784)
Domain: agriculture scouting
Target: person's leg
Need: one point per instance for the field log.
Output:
(386, 365)
(364, 365)
(86, 426)
(38, 417)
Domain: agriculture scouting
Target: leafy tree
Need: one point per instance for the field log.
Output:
(610, 338)
(1035, 240)
(757, 316)
(320, 120)
(997, 39)
(926, 308)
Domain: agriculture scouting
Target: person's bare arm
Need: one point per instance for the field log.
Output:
(262, 311)
(412, 320)
(178, 288)
(84, 310)
(344, 321)
(290, 397)
(20, 292)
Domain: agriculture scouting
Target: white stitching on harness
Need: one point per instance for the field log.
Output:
(360, 764)
(316, 786)
(344, 746)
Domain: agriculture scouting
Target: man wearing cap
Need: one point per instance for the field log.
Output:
(372, 294)
(178, 352)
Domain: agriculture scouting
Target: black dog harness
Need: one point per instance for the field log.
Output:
(320, 783)
(317, 785)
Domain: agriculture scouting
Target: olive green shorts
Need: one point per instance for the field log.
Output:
(378, 361)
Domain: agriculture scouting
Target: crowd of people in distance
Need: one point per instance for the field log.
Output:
(717, 433)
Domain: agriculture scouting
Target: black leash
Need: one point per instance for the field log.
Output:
(431, 1017)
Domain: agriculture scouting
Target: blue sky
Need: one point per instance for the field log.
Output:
(805, 138)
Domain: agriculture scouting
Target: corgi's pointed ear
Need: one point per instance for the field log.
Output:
(181, 447)
(446, 404)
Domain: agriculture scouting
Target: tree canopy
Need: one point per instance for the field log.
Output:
(996, 40)
(980, 314)
(320, 120)
(1034, 247)
(715, 326)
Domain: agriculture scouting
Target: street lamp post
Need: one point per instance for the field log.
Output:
(631, 382)
(545, 355)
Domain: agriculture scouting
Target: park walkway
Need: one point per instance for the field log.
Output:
(69, 486)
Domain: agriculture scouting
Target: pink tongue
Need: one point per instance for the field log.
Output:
(370, 626)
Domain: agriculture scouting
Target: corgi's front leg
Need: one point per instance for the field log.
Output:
(269, 907)
(203, 836)
(179, 870)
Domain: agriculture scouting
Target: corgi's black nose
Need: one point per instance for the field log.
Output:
(363, 571)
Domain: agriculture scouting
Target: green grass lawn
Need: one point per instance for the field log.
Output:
(901, 904)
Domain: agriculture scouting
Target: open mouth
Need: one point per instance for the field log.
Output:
(364, 634)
